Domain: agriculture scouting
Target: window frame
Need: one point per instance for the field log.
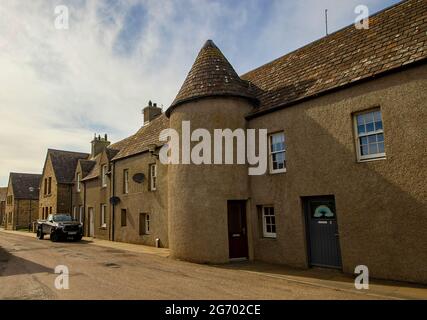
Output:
(78, 178)
(81, 214)
(104, 169)
(271, 153)
(369, 157)
(147, 223)
(126, 181)
(103, 221)
(265, 233)
(153, 178)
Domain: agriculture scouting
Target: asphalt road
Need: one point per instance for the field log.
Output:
(27, 272)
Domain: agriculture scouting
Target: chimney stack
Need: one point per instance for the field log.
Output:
(99, 144)
(151, 112)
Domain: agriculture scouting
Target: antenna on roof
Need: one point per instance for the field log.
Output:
(326, 21)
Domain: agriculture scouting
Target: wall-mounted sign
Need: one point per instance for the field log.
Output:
(138, 177)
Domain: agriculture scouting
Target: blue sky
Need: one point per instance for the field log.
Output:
(58, 87)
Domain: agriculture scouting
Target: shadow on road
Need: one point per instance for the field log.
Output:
(11, 265)
(330, 277)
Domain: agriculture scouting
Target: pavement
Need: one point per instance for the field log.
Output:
(100, 270)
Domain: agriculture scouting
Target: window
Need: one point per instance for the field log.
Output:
(45, 187)
(81, 214)
(78, 182)
(50, 210)
(144, 224)
(277, 153)
(104, 175)
(153, 177)
(370, 135)
(75, 213)
(126, 181)
(268, 222)
(103, 213)
(49, 186)
(123, 217)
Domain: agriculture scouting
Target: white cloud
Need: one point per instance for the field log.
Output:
(58, 87)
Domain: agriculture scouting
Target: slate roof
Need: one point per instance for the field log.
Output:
(94, 172)
(87, 166)
(3, 193)
(64, 164)
(25, 186)
(211, 75)
(396, 37)
(146, 136)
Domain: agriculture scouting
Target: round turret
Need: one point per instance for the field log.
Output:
(212, 97)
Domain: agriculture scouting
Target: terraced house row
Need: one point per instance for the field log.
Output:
(346, 179)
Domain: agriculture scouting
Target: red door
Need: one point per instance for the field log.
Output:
(237, 231)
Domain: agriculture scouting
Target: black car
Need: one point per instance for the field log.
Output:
(60, 227)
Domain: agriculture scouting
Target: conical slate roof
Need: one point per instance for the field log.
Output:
(211, 75)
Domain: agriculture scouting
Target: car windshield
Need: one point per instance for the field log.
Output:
(62, 218)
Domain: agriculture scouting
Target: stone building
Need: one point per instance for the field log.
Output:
(56, 185)
(345, 183)
(21, 200)
(3, 194)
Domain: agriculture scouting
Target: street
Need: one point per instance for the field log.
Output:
(97, 272)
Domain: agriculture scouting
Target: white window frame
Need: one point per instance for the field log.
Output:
(147, 223)
(104, 169)
(103, 215)
(153, 177)
(376, 156)
(271, 153)
(81, 214)
(266, 234)
(126, 181)
(78, 182)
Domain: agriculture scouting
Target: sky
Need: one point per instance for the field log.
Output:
(60, 86)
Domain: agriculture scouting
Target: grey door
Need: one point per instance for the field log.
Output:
(322, 232)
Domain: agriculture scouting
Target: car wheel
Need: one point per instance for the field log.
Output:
(77, 238)
(40, 234)
(53, 237)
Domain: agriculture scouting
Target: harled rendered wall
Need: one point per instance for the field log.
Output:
(381, 205)
(198, 194)
(141, 200)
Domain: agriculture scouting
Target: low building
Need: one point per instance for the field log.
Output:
(3, 194)
(56, 185)
(345, 181)
(22, 200)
